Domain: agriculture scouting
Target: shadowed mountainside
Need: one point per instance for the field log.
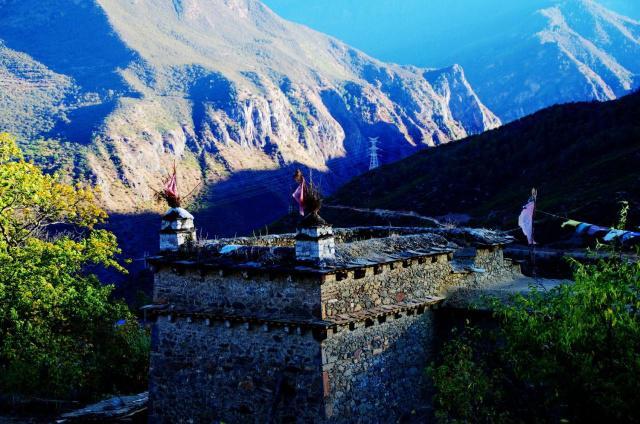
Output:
(583, 158)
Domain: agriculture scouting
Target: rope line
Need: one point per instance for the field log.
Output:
(551, 214)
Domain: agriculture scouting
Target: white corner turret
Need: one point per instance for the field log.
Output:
(177, 230)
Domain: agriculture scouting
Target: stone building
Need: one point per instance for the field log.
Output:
(256, 330)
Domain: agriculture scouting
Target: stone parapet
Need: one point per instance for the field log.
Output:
(386, 284)
(296, 291)
(302, 292)
(239, 292)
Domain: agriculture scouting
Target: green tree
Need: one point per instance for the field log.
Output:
(60, 333)
(568, 355)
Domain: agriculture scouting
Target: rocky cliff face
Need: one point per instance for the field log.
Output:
(225, 87)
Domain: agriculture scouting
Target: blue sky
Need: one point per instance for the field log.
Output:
(418, 32)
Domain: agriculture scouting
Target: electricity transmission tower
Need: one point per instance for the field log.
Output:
(373, 153)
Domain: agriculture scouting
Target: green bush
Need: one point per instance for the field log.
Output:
(571, 354)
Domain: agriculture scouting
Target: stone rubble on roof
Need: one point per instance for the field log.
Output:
(465, 235)
(376, 250)
(356, 246)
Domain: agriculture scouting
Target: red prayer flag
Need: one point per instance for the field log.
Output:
(171, 186)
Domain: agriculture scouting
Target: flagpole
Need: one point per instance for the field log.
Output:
(532, 246)
(534, 196)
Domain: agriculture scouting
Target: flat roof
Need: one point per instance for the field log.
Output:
(356, 248)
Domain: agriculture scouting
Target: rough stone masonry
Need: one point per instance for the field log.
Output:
(246, 331)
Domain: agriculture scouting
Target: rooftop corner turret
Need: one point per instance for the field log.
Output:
(177, 230)
(315, 242)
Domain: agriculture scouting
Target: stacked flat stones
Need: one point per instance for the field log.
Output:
(176, 230)
(315, 244)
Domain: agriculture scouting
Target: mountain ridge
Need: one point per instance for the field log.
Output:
(570, 50)
(520, 56)
(221, 86)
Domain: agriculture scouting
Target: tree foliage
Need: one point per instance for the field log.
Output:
(60, 333)
(568, 355)
(31, 200)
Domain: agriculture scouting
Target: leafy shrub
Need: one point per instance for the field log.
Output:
(571, 354)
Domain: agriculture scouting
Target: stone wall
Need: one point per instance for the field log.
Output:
(244, 293)
(376, 373)
(491, 266)
(203, 373)
(385, 284)
(496, 266)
